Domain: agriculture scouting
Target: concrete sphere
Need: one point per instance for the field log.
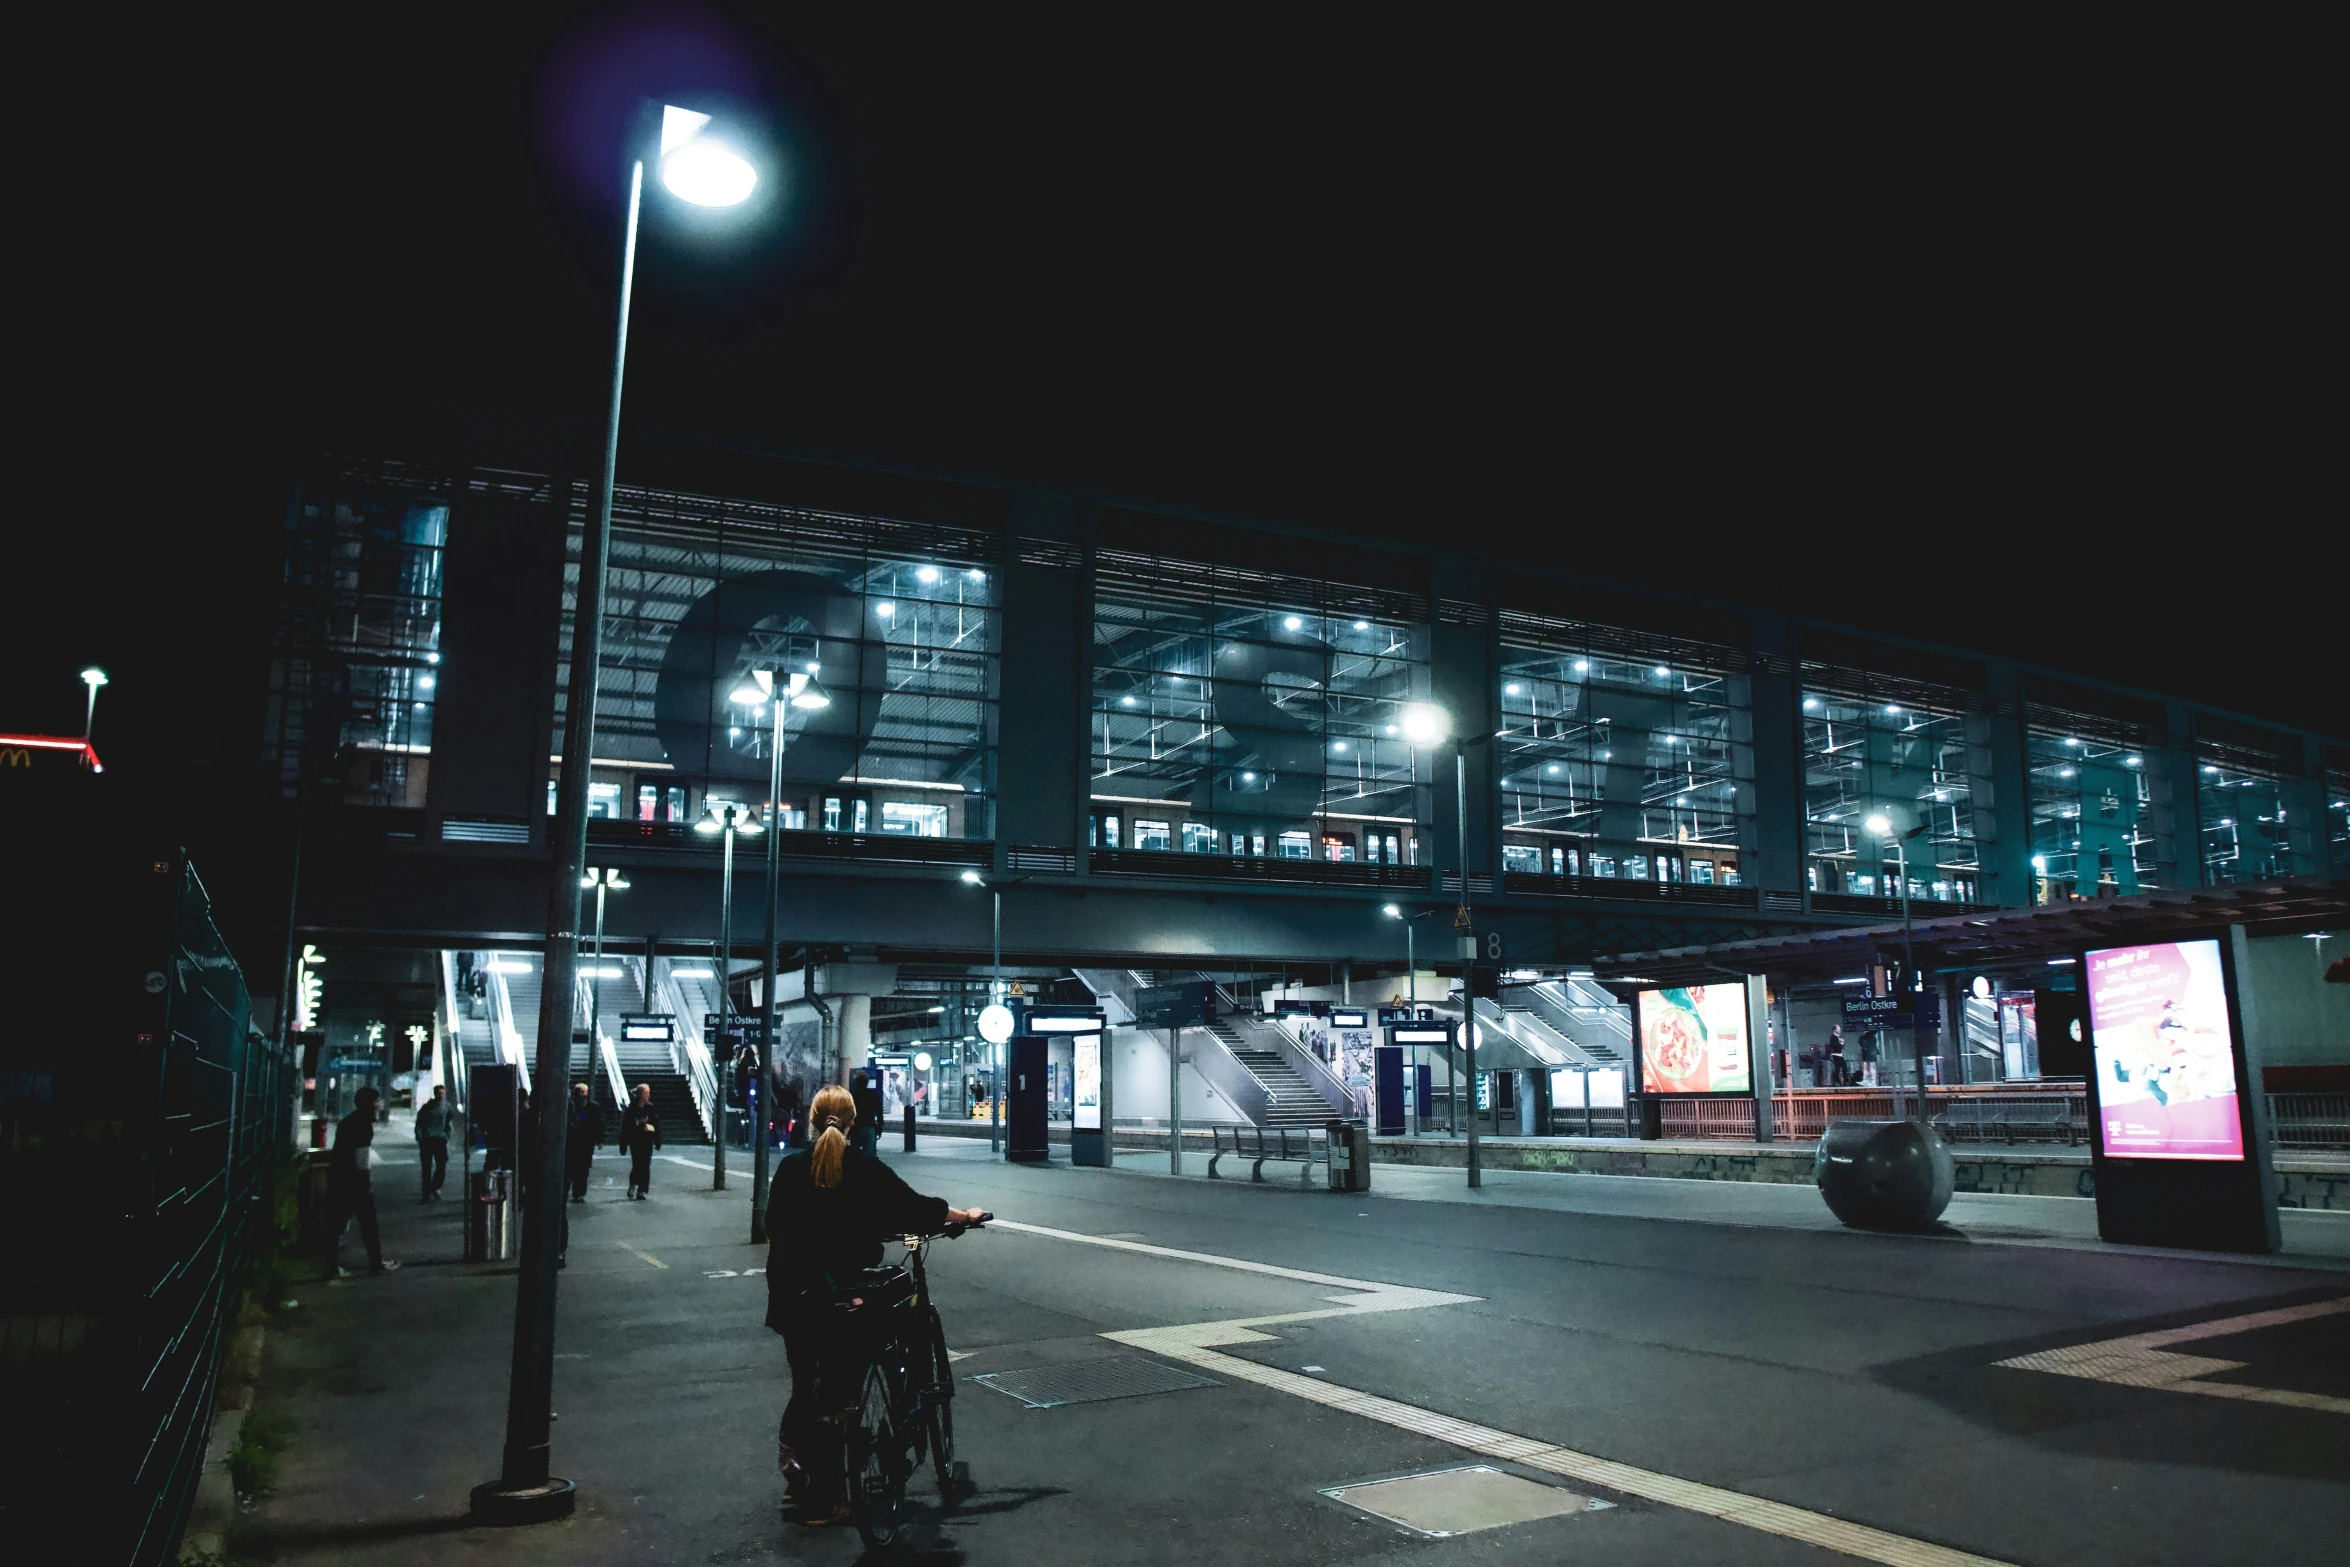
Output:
(1884, 1175)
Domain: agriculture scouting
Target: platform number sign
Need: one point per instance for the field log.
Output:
(1489, 946)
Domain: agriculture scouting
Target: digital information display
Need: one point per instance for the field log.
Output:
(1693, 1040)
(2165, 1055)
(1089, 1084)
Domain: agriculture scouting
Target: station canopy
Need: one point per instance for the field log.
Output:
(2015, 938)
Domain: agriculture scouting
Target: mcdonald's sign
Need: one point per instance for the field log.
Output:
(34, 750)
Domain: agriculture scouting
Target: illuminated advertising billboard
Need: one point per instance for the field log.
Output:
(1693, 1040)
(2165, 1055)
(1088, 1105)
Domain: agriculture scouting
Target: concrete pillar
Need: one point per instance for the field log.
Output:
(2002, 791)
(1775, 858)
(2176, 776)
(853, 1026)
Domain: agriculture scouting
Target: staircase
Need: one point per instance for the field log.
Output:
(1295, 1103)
(673, 1095)
(1590, 1019)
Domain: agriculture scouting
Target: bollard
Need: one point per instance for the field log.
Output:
(1884, 1175)
(909, 1128)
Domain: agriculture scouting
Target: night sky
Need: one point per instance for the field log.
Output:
(2010, 358)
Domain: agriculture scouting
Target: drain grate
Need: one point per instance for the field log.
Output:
(1091, 1381)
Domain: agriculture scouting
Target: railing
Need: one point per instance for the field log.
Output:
(1729, 1120)
(1223, 1071)
(2309, 1120)
(1697, 894)
(449, 1058)
(803, 845)
(1316, 1071)
(511, 1051)
(1254, 868)
(612, 1075)
(1890, 908)
(140, 1180)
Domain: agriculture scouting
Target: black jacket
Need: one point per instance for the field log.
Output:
(816, 1233)
(586, 1134)
(640, 1127)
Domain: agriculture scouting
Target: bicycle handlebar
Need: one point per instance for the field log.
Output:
(957, 1229)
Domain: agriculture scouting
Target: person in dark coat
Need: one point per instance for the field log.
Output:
(640, 1134)
(350, 1190)
(828, 1211)
(432, 1142)
(582, 1140)
(787, 1114)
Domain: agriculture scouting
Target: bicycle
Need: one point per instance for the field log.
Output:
(904, 1409)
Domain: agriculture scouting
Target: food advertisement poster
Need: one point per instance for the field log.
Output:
(1693, 1040)
(2165, 1056)
(1088, 1102)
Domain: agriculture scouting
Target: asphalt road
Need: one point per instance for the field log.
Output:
(1731, 1393)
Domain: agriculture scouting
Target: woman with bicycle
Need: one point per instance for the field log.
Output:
(828, 1211)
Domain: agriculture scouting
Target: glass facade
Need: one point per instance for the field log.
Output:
(2338, 820)
(352, 679)
(2240, 804)
(2094, 822)
(1623, 762)
(896, 625)
(1909, 757)
(1241, 713)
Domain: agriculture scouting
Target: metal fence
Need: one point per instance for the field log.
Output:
(2309, 1120)
(2008, 1114)
(142, 1122)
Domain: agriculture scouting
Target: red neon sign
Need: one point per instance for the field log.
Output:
(47, 743)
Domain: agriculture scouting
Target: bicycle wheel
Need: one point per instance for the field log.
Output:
(942, 1414)
(877, 1465)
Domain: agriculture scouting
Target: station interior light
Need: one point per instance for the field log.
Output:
(1391, 911)
(93, 677)
(973, 879)
(810, 696)
(1879, 825)
(926, 574)
(1424, 723)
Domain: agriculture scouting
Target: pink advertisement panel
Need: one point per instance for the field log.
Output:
(2166, 1060)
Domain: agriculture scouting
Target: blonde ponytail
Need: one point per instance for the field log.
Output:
(835, 1110)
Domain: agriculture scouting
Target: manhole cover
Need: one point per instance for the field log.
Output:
(1090, 1381)
(1461, 1501)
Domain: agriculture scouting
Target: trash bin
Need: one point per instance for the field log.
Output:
(488, 1215)
(314, 1200)
(1884, 1175)
(1350, 1155)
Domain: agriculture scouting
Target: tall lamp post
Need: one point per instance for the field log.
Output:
(995, 1019)
(701, 169)
(93, 677)
(604, 879)
(1427, 725)
(800, 690)
(1411, 993)
(1881, 825)
(732, 818)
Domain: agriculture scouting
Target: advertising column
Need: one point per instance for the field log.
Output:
(1694, 1045)
(2172, 1088)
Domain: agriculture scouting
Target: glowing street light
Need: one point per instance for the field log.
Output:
(700, 167)
(93, 677)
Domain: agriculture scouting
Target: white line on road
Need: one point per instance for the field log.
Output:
(2142, 1360)
(1191, 1343)
(647, 1256)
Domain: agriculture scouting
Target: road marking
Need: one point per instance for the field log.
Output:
(2144, 1360)
(1191, 1343)
(691, 1164)
(646, 1255)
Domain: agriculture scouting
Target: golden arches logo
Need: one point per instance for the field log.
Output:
(16, 756)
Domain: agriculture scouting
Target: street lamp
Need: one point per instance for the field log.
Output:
(696, 166)
(995, 1019)
(93, 677)
(603, 878)
(800, 690)
(1881, 826)
(1426, 725)
(1411, 982)
(733, 818)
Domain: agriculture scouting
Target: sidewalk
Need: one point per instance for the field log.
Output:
(2313, 1238)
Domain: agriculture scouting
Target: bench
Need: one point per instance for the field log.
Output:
(2000, 1118)
(1270, 1145)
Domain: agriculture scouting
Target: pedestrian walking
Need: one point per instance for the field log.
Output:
(640, 1134)
(581, 1142)
(432, 1142)
(787, 1113)
(350, 1191)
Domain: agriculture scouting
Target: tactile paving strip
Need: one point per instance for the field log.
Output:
(1092, 1381)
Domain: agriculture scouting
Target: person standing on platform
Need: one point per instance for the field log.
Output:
(640, 1134)
(432, 1142)
(350, 1189)
(1838, 1073)
(582, 1140)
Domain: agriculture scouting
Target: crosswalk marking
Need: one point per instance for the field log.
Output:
(2145, 1359)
